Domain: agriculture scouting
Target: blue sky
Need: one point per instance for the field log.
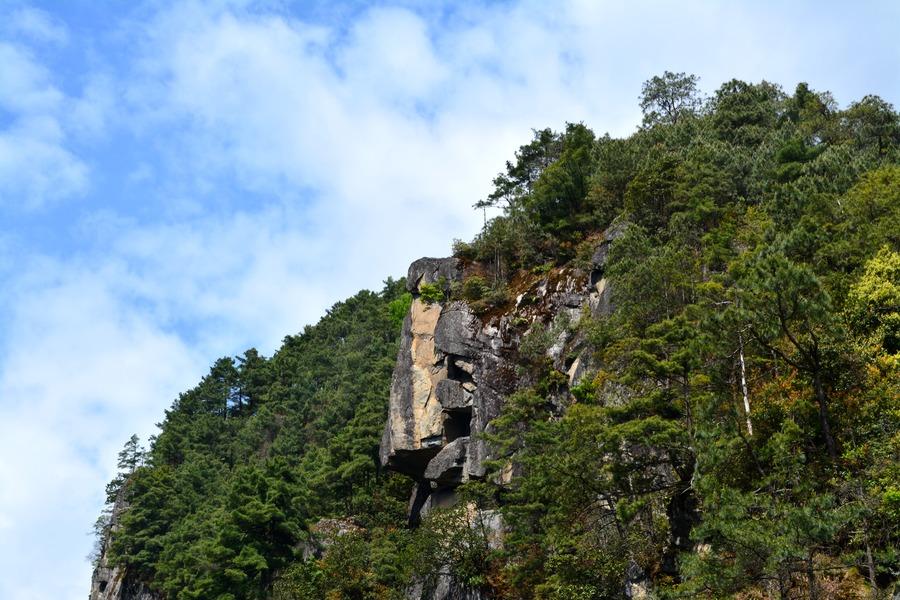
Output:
(182, 181)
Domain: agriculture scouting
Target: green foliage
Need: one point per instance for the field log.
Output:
(511, 187)
(463, 249)
(670, 97)
(557, 201)
(480, 295)
(873, 124)
(474, 288)
(431, 293)
(260, 449)
(737, 431)
(873, 303)
(399, 307)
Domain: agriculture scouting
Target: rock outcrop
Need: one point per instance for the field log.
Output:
(109, 582)
(455, 369)
(433, 270)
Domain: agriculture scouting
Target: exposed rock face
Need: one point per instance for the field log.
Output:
(112, 583)
(433, 270)
(455, 369)
(324, 533)
(121, 588)
(598, 267)
(413, 434)
(446, 467)
(446, 588)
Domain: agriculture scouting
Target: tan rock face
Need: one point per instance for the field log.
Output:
(427, 370)
(414, 431)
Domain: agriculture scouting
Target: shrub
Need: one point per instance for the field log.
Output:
(398, 307)
(431, 293)
(474, 288)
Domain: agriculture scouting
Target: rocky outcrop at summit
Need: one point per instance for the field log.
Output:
(433, 270)
(455, 368)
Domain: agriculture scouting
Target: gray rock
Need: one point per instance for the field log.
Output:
(601, 299)
(324, 533)
(637, 584)
(478, 359)
(579, 368)
(440, 498)
(601, 254)
(401, 401)
(456, 331)
(445, 587)
(431, 270)
(465, 366)
(446, 468)
(452, 395)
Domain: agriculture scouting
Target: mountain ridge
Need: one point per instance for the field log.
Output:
(668, 368)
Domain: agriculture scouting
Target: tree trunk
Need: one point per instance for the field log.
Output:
(823, 414)
(870, 564)
(782, 588)
(744, 385)
(811, 579)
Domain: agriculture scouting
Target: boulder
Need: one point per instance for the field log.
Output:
(446, 468)
(456, 331)
(432, 270)
(453, 395)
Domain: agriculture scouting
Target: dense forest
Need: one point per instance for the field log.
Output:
(752, 358)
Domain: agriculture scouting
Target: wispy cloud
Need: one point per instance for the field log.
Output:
(36, 166)
(76, 359)
(35, 24)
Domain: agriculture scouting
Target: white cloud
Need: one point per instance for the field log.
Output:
(390, 54)
(35, 164)
(257, 273)
(24, 83)
(396, 127)
(81, 369)
(89, 114)
(36, 24)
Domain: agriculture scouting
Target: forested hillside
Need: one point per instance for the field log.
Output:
(727, 426)
(257, 451)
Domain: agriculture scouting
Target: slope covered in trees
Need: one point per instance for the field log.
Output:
(258, 450)
(759, 228)
(736, 435)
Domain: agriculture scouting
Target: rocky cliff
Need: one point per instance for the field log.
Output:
(455, 368)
